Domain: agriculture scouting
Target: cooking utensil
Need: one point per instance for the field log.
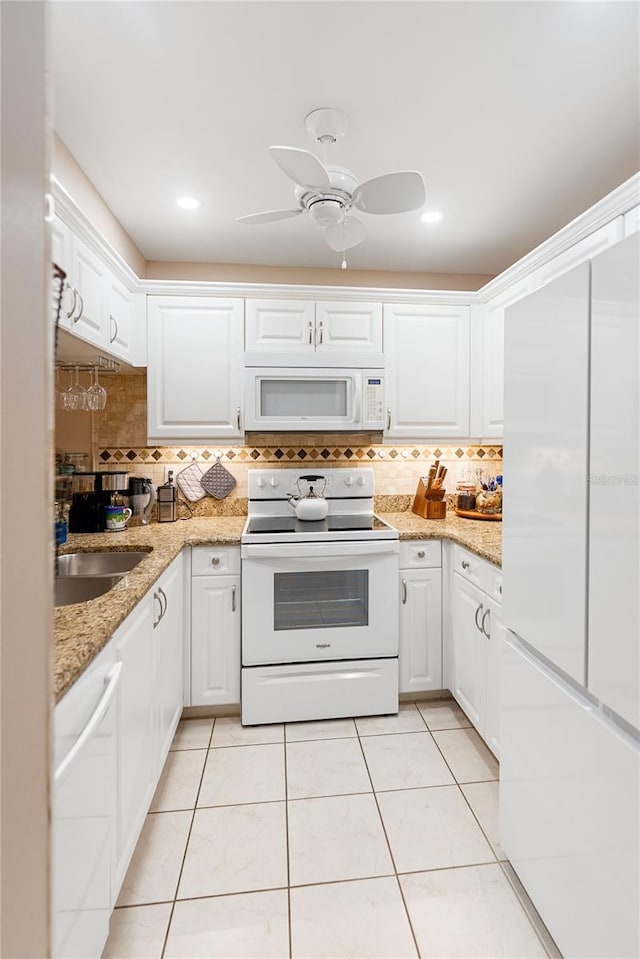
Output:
(310, 506)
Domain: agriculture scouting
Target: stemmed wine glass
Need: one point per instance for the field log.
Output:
(96, 394)
(75, 397)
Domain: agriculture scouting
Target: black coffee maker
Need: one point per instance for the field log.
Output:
(90, 493)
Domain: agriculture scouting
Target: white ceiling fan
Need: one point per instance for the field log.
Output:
(330, 194)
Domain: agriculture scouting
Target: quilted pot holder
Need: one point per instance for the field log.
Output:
(218, 481)
(189, 482)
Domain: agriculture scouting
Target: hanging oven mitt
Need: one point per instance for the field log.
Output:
(189, 482)
(218, 481)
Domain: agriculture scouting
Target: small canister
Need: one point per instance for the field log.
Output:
(465, 496)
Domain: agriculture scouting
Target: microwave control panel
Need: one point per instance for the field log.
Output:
(373, 400)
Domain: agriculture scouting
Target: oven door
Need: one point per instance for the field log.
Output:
(317, 601)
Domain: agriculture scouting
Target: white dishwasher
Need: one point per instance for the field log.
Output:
(84, 809)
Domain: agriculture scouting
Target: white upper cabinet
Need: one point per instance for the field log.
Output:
(305, 333)
(194, 379)
(487, 398)
(96, 306)
(427, 371)
(632, 221)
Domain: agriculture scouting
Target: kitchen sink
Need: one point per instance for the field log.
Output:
(99, 563)
(78, 589)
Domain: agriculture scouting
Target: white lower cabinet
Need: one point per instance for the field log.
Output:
(84, 810)
(136, 730)
(473, 642)
(215, 627)
(420, 647)
(168, 655)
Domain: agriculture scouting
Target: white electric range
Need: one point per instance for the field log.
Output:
(320, 601)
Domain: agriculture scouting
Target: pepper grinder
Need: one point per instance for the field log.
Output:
(167, 501)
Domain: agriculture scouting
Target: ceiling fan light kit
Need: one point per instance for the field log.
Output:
(330, 193)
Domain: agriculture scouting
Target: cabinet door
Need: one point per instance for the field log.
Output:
(280, 326)
(136, 730)
(194, 376)
(420, 652)
(427, 371)
(60, 236)
(168, 642)
(89, 277)
(614, 500)
(495, 633)
(467, 650)
(349, 328)
(490, 375)
(215, 640)
(120, 305)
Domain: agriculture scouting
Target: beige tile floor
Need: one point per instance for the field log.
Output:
(362, 839)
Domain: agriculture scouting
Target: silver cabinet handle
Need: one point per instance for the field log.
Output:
(233, 598)
(81, 309)
(420, 554)
(94, 721)
(478, 610)
(238, 418)
(164, 596)
(404, 592)
(310, 332)
(74, 302)
(484, 619)
(321, 331)
(465, 565)
(388, 417)
(500, 589)
(215, 560)
(156, 596)
(114, 323)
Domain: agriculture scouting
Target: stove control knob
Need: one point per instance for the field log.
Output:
(348, 480)
(261, 483)
(274, 482)
(360, 481)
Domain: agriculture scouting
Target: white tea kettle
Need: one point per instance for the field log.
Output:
(310, 506)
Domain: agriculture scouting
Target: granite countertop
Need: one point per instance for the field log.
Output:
(83, 629)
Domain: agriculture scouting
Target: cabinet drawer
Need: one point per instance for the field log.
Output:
(206, 560)
(493, 582)
(420, 553)
(468, 565)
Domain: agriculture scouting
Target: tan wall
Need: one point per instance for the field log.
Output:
(239, 273)
(67, 171)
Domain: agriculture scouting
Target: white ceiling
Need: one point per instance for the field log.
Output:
(519, 116)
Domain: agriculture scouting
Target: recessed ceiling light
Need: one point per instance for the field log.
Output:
(432, 216)
(187, 202)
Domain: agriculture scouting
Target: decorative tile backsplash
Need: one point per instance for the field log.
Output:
(119, 441)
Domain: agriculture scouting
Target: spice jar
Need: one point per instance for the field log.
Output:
(466, 496)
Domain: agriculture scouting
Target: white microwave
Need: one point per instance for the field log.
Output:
(313, 400)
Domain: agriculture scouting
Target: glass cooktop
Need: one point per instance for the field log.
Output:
(336, 523)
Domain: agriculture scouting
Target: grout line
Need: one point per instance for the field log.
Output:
(286, 822)
(393, 861)
(186, 847)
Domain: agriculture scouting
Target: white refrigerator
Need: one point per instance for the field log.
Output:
(570, 675)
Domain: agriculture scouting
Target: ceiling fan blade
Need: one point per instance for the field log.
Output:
(391, 193)
(269, 216)
(303, 167)
(344, 235)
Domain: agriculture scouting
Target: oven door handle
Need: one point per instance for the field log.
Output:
(375, 547)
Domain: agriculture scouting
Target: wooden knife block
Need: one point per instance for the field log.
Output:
(429, 504)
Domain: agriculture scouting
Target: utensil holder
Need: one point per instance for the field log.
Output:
(429, 503)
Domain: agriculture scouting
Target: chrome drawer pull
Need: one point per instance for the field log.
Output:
(465, 565)
(215, 561)
(420, 554)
